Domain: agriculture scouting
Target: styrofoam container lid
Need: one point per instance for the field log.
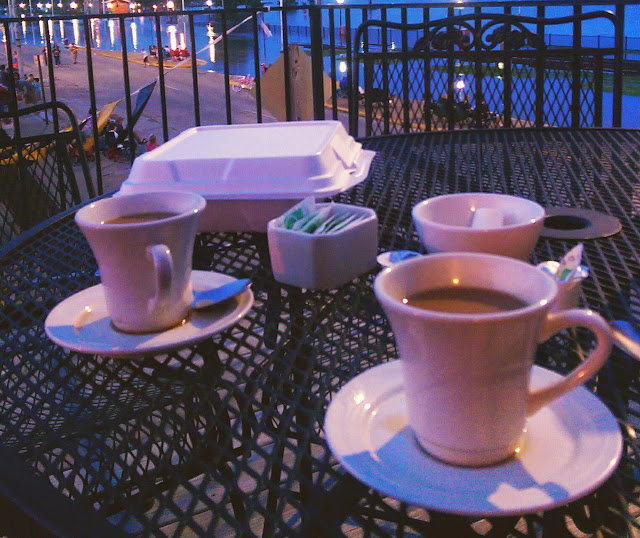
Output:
(262, 161)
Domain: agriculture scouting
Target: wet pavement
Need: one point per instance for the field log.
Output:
(72, 83)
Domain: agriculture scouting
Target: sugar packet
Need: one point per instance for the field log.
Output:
(569, 264)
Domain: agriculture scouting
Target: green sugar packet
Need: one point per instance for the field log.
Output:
(298, 212)
(291, 218)
(301, 223)
(319, 217)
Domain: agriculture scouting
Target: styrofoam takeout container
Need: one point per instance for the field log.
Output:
(250, 174)
(324, 261)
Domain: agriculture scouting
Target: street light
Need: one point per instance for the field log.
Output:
(460, 86)
(171, 30)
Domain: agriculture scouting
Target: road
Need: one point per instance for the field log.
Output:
(72, 88)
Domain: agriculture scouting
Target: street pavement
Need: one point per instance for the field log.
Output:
(72, 88)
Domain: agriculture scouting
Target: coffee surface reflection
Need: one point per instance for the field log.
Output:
(138, 218)
(460, 300)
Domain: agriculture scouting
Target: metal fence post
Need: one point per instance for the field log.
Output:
(618, 66)
(317, 63)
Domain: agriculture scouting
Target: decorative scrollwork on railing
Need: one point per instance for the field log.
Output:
(512, 36)
(464, 35)
(449, 37)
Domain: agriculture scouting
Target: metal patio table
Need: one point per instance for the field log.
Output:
(225, 437)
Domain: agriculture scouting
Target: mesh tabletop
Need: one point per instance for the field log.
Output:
(225, 437)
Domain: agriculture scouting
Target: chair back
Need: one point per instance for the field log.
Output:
(485, 70)
(39, 162)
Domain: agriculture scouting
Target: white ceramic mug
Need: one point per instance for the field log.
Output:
(467, 375)
(448, 223)
(145, 267)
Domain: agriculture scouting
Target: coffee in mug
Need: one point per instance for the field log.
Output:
(465, 300)
(143, 244)
(467, 326)
(136, 218)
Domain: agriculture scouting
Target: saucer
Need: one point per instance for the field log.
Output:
(569, 448)
(627, 337)
(389, 258)
(81, 322)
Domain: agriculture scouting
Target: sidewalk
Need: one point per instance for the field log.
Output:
(72, 82)
(71, 87)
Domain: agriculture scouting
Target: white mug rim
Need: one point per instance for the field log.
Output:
(385, 298)
(416, 214)
(82, 219)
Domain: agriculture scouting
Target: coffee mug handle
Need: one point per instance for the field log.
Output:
(160, 256)
(588, 368)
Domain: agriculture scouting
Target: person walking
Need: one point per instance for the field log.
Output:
(56, 54)
(145, 58)
(74, 52)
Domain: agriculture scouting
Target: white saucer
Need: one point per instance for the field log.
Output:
(569, 448)
(81, 323)
(389, 258)
(625, 335)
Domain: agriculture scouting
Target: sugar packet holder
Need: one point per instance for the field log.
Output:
(322, 256)
(309, 217)
(568, 274)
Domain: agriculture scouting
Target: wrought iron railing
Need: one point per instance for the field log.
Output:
(484, 70)
(324, 32)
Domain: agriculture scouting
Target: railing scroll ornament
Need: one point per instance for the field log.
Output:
(463, 35)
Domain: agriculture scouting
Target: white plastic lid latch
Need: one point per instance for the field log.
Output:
(346, 152)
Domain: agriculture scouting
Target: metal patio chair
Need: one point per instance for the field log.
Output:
(485, 70)
(38, 175)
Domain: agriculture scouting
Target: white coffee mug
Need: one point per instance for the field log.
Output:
(145, 256)
(467, 375)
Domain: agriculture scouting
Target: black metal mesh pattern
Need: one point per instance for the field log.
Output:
(225, 437)
(479, 70)
(388, 111)
(37, 171)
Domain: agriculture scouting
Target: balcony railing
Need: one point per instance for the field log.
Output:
(312, 81)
